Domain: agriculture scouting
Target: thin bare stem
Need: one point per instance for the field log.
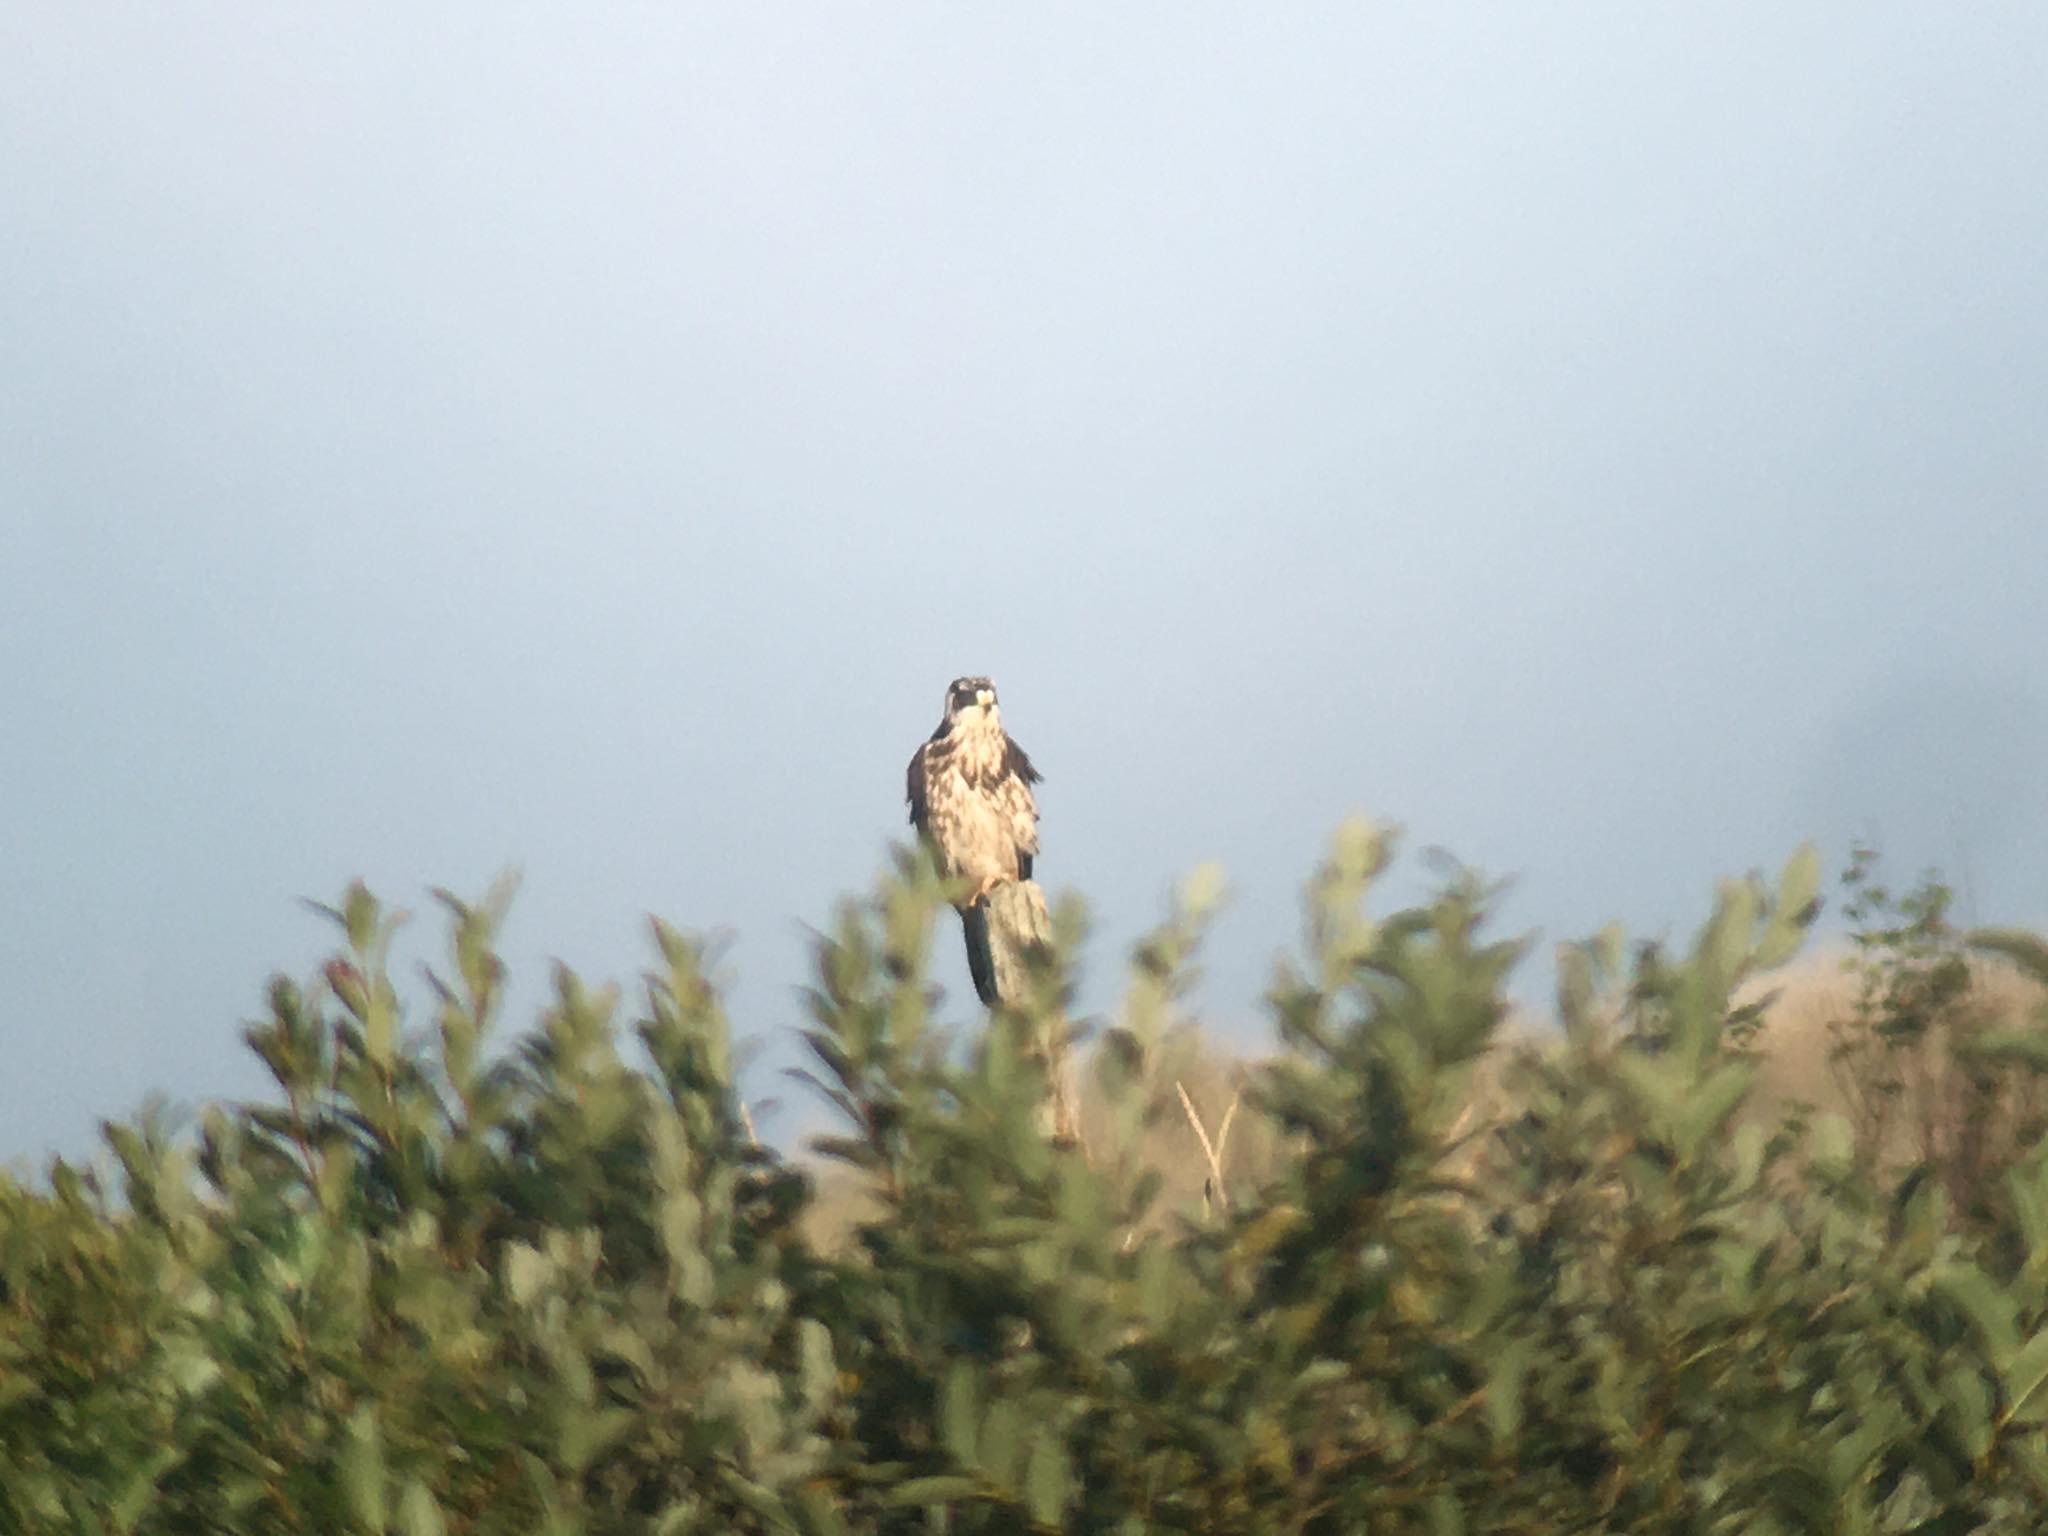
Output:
(1229, 1119)
(1213, 1191)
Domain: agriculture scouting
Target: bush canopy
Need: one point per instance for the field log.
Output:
(440, 1286)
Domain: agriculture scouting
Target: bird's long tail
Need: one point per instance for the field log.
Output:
(981, 960)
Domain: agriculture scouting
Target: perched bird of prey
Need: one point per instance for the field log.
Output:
(970, 796)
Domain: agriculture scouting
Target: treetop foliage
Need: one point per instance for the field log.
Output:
(434, 1287)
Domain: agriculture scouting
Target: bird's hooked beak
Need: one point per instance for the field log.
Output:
(984, 697)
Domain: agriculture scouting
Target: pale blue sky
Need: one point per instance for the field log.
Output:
(1607, 439)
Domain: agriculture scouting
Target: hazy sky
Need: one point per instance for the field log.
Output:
(1610, 440)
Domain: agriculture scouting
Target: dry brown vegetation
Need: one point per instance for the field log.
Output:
(1915, 1100)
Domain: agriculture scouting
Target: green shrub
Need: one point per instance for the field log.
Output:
(440, 1287)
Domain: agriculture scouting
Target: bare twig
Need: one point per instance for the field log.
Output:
(1223, 1133)
(1213, 1192)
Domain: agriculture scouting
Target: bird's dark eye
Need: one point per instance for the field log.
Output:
(964, 692)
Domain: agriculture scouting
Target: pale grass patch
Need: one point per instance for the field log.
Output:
(1967, 1123)
(1208, 1140)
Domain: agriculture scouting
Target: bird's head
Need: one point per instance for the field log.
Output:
(970, 701)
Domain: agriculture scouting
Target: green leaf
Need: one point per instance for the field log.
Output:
(1799, 881)
(359, 917)
(1724, 944)
(362, 1469)
(1158, 1285)
(817, 1515)
(1793, 909)
(959, 1412)
(1503, 1402)
(817, 1369)
(2030, 1455)
(141, 1487)
(380, 1025)
(1707, 1108)
(1001, 1443)
(1748, 1149)
(1318, 1374)
(2024, 1376)
(1989, 1310)
(526, 1271)
(2028, 1183)
(1850, 1457)
(2023, 1047)
(922, 1492)
(1575, 988)
(1047, 1479)
(190, 1368)
(1969, 1401)
(1657, 1086)
(1202, 891)
(584, 1433)
(684, 1514)
(418, 1513)
(2027, 951)
(1834, 1144)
